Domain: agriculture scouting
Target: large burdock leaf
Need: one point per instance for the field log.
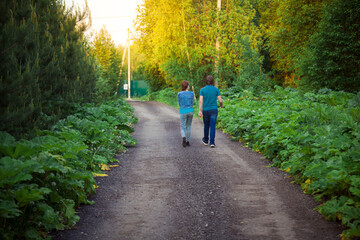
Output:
(48, 217)
(24, 148)
(7, 144)
(52, 162)
(30, 193)
(355, 188)
(9, 209)
(13, 171)
(68, 210)
(125, 127)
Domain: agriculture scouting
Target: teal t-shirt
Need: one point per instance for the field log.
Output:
(209, 93)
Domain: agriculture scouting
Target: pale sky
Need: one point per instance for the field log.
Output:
(116, 15)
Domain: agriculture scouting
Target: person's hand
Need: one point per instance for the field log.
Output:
(200, 114)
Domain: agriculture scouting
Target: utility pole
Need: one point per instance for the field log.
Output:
(122, 65)
(129, 87)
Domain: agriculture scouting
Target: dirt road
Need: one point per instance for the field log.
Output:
(165, 191)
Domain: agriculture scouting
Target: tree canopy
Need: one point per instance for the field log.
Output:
(108, 57)
(262, 42)
(179, 37)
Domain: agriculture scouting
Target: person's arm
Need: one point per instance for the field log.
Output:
(201, 99)
(220, 101)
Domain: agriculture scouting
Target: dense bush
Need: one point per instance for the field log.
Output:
(167, 95)
(333, 57)
(42, 180)
(315, 136)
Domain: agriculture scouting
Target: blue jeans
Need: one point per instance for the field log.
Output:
(209, 118)
(185, 125)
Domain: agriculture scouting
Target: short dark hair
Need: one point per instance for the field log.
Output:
(184, 85)
(209, 80)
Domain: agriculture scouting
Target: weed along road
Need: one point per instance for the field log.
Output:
(162, 190)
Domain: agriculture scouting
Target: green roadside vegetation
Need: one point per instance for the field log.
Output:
(43, 179)
(60, 123)
(288, 72)
(314, 136)
(168, 96)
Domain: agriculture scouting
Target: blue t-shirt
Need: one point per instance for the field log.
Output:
(186, 101)
(209, 93)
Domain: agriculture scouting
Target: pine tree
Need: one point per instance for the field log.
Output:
(19, 65)
(45, 67)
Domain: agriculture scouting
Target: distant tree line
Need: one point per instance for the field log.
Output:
(312, 43)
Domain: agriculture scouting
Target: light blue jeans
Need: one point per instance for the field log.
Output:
(185, 125)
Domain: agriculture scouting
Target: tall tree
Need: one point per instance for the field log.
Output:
(45, 67)
(160, 27)
(333, 56)
(109, 59)
(179, 37)
(287, 26)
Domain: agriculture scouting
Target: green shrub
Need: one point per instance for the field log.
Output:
(167, 95)
(315, 136)
(42, 180)
(332, 58)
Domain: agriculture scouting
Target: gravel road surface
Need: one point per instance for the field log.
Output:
(162, 190)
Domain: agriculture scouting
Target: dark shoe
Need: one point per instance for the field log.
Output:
(184, 142)
(205, 143)
(188, 143)
(212, 145)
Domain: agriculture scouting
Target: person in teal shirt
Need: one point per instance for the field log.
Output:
(208, 109)
(186, 102)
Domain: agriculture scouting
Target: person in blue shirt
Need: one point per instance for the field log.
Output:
(186, 101)
(208, 109)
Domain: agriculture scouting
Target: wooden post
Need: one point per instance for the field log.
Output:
(129, 86)
(122, 65)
